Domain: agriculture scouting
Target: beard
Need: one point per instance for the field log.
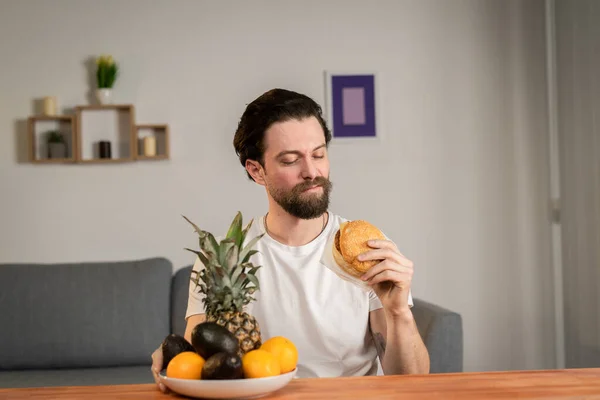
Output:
(304, 205)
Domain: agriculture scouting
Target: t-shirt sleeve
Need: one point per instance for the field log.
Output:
(375, 303)
(195, 304)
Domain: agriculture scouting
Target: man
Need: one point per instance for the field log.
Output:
(338, 328)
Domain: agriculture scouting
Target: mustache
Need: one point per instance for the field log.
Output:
(318, 181)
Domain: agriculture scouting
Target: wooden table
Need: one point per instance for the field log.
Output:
(555, 384)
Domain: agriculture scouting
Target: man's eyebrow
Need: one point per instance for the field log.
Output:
(283, 153)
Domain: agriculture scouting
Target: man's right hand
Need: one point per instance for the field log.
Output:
(157, 356)
(157, 360)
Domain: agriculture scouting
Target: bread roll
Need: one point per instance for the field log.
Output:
(350, 241)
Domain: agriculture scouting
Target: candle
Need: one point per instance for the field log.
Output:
(50, 105)
(149, 146)
(104, 147)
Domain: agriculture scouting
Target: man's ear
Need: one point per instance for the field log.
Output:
(256, 171)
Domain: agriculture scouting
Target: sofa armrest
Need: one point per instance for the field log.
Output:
(442, 332)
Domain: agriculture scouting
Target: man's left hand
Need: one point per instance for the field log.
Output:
(391, 279)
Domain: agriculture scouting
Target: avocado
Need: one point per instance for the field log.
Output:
(209, 338)
(173, 345)
(223, 366)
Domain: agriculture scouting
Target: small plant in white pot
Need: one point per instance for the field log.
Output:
(106, 75)
(57, 146)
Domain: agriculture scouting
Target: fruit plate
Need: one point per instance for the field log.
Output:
(227, 388)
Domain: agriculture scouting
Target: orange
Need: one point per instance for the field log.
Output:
(284, 350)
(185, 365)
(260, 364)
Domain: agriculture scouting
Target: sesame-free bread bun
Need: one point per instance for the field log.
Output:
(350, 241)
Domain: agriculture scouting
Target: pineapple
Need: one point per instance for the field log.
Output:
(228, 281)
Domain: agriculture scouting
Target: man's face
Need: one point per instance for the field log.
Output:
(296, 167)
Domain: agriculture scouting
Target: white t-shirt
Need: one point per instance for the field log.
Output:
(325, 316)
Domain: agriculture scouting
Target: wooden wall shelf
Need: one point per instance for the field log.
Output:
(126, 142)
(150, 158)
(123, 145)
(125, 107)
(66, 124)
(105, 161)
(160, 135)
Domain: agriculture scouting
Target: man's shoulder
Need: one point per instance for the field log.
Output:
(337, 219)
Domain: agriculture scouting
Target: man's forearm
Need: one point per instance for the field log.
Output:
(403, 350)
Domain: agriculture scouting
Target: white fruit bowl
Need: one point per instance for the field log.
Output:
(227, 388)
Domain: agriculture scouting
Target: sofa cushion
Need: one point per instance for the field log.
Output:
(76, 377)
(441, 330)
(97, 314)
(179, 299)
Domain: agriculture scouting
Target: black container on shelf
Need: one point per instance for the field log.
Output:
(104, 149)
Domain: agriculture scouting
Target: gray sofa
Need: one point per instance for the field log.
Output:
(98, 323)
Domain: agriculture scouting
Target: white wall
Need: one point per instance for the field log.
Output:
(460, 182)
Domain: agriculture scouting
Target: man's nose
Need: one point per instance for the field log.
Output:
(309, 170)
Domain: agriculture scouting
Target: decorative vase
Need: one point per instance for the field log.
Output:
(104, 95)
(57, 150)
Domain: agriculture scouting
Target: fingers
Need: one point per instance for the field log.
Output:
(398, 278)
(160, 385)
(382, 254)
(387, 265)
(157, 359)
(383, 244)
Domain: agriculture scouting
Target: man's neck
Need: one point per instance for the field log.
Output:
(293, 231)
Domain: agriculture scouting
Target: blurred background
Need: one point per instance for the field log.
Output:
(486, 175)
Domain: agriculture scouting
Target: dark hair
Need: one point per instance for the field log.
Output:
(276, 105)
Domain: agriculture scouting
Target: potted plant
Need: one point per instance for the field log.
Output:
(57, 146)
(106, 75)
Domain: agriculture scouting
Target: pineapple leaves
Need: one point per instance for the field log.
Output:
(198, 230)
(224, 248)
(206, 240)
(225, 279)
(200, 255)
(231, 258)
(248, 255)
(228, 279)
(249, 247)
(209, 244)
(240, 278)
(195, 278)
(238, 303)
(254, 280)
(216, 274)
(235, 230)
(235, 273)
(244, 233)
(253, 270)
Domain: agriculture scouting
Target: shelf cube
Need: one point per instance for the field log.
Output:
(112, 123)
(43, 152)
(152, 142)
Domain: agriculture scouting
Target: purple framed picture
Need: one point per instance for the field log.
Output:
(351, 102)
